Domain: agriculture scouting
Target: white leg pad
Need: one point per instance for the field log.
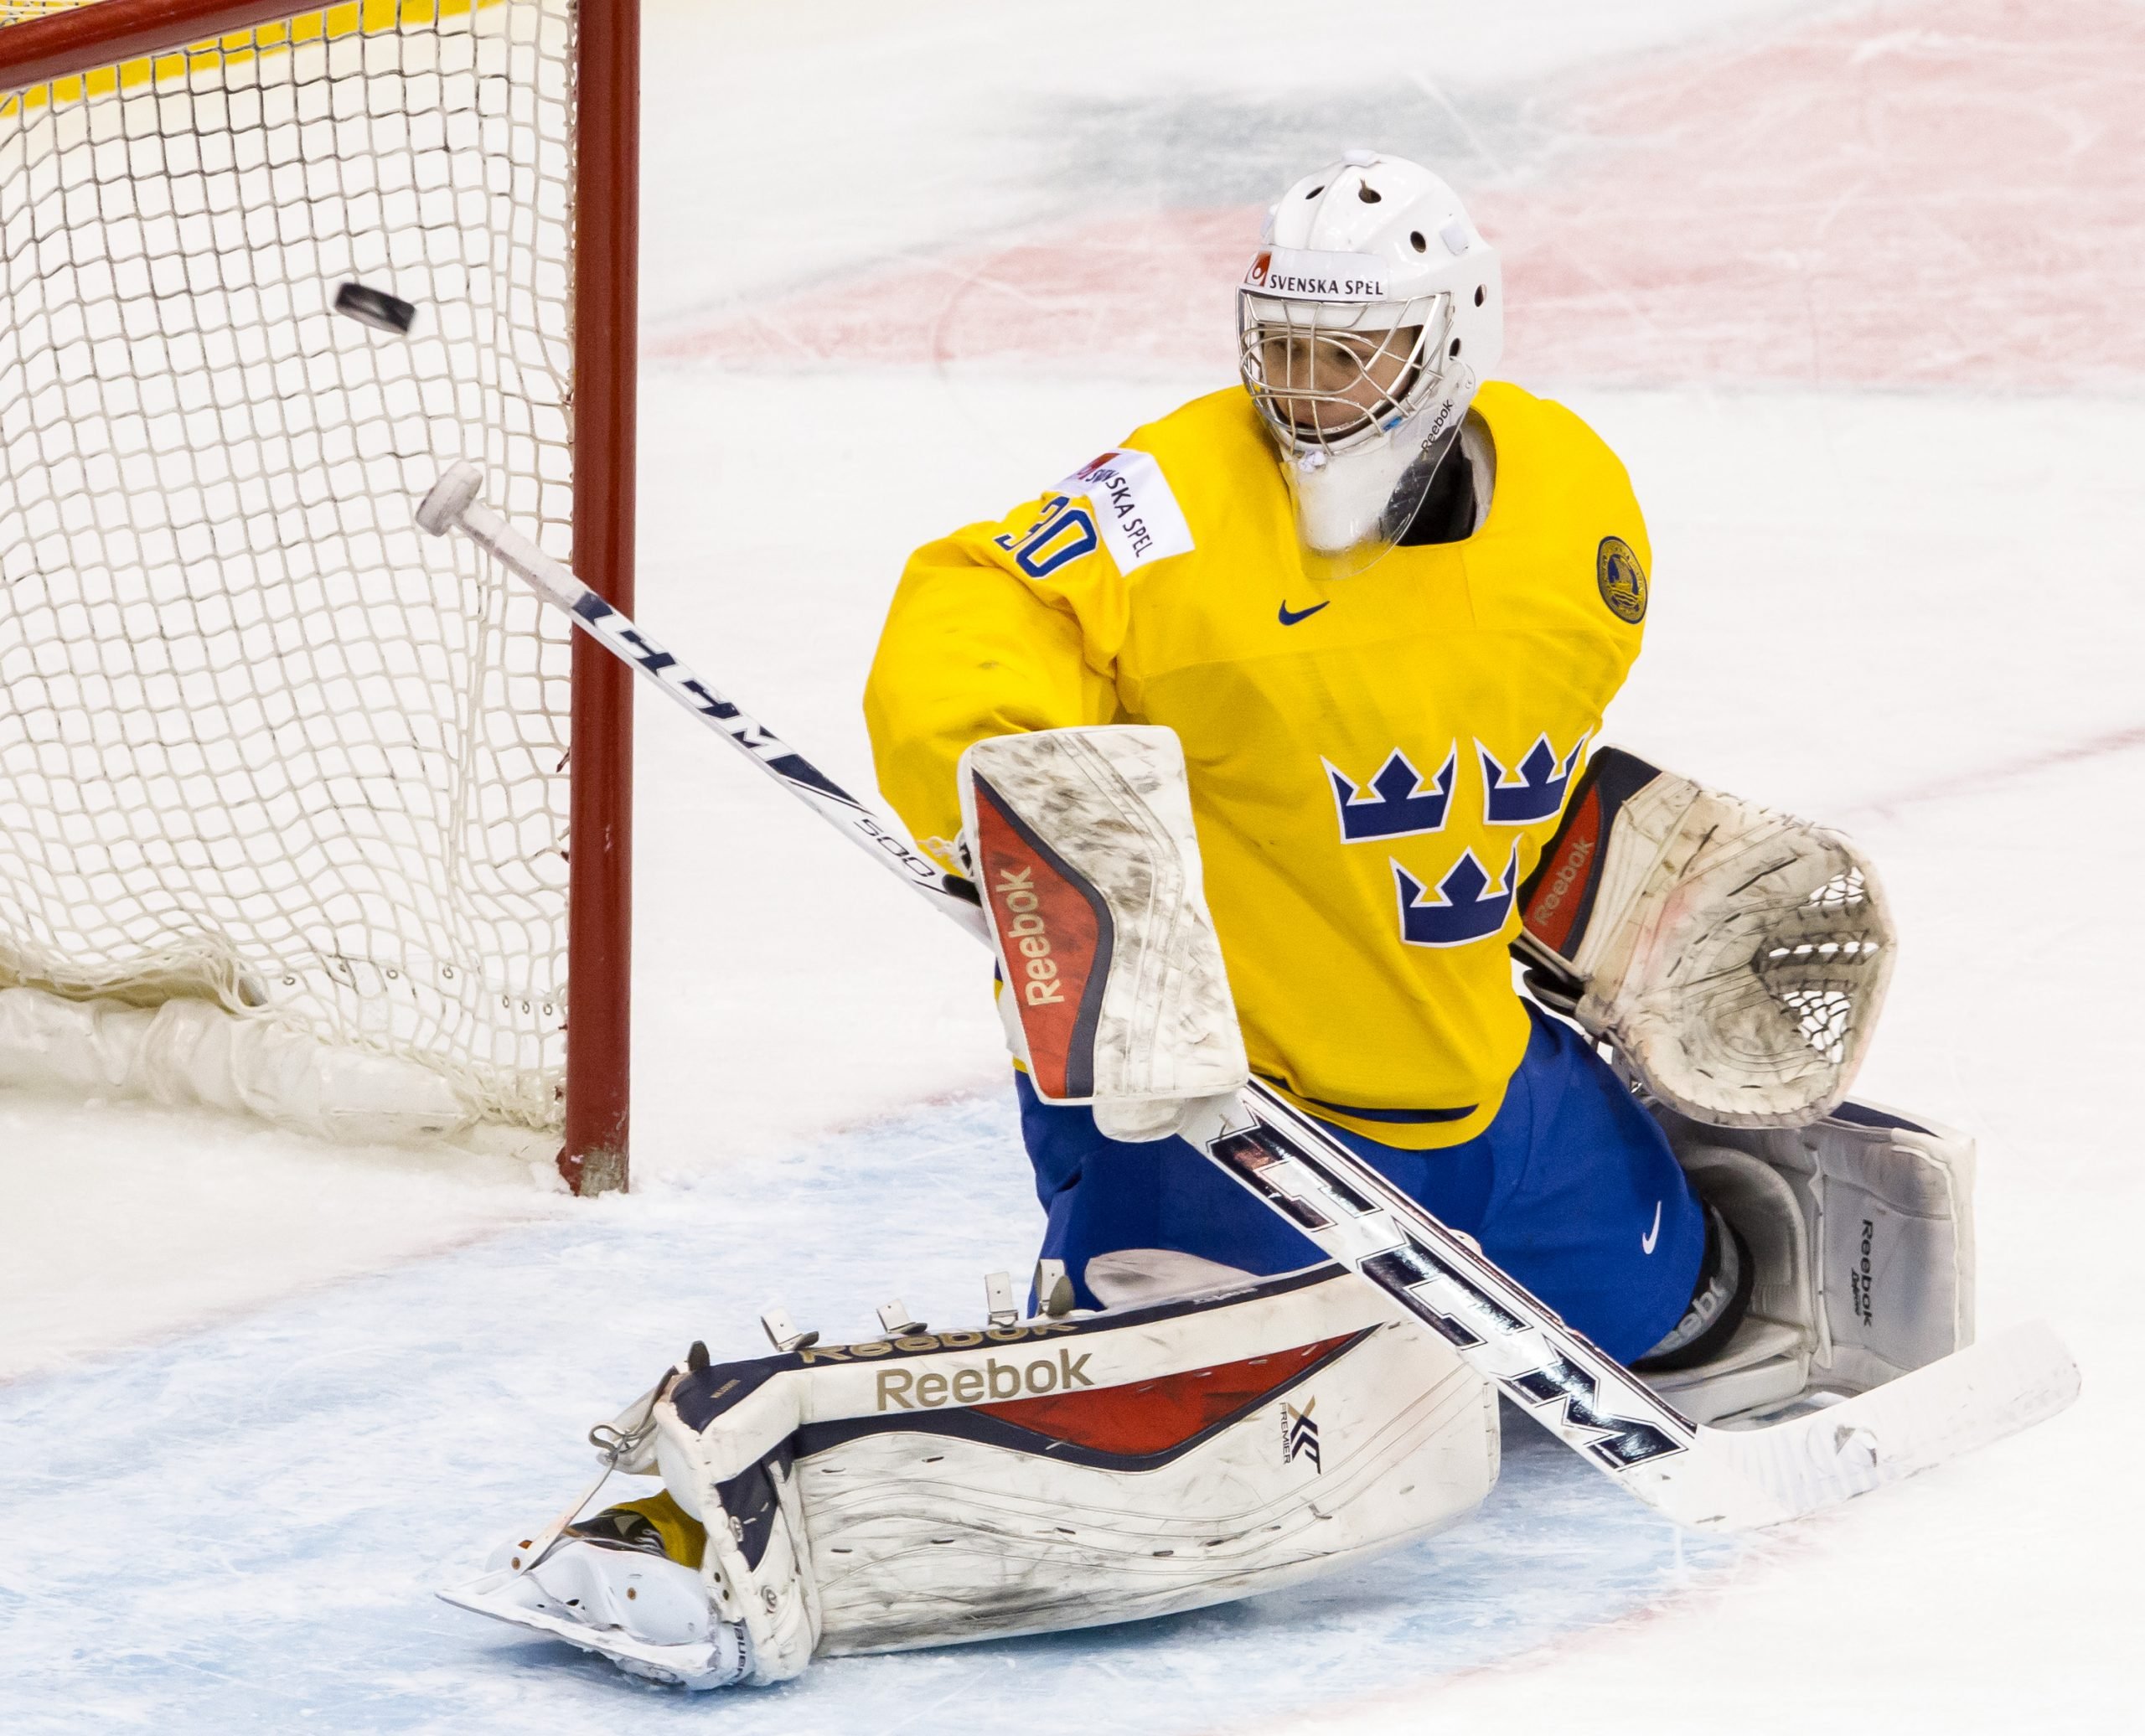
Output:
(964, 1484)
(927, 1536)
(1861, 1226)
(957, 1485)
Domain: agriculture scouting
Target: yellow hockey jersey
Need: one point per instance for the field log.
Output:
(1374, 762)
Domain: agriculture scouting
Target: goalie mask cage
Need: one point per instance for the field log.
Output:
(302, 811)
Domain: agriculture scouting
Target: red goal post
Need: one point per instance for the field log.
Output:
(246, 729)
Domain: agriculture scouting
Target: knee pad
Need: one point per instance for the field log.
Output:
(1134, 1276)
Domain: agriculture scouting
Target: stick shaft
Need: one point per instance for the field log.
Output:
(854, 819)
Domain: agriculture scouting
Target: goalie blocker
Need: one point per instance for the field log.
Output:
(1115, 994)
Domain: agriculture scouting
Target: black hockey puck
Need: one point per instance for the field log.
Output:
(376, 308)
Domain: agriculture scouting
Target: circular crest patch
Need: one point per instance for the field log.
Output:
(1622, 580)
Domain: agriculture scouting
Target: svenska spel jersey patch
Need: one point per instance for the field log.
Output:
(1132, 506)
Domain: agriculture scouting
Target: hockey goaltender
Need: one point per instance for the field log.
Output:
(1264, 737)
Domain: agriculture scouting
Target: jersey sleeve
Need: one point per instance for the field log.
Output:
(996, 629)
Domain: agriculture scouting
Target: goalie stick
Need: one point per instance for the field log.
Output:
(1709, 1478)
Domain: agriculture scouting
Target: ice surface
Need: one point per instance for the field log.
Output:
(269, 1394)
(243, 1529)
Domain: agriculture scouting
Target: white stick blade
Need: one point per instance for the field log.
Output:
(1742, 1479)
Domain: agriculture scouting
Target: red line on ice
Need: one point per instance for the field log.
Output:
(1970, 783)
(1917, 194)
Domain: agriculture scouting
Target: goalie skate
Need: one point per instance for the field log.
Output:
(648, 1615)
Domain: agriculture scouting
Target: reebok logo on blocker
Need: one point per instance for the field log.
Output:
(1014, 893)
(1054, 941)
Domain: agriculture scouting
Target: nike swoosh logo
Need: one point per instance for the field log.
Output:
(1290, 617)
(1653, 1235)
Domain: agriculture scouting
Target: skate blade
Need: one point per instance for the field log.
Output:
(697, 1667)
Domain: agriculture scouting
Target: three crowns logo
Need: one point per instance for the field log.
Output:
(1398, 801)
(1535, 792)
(1468, 905)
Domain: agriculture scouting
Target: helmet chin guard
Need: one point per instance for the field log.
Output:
(1368, 318)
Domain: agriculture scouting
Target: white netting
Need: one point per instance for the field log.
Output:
(1820, 973)
(260, 739)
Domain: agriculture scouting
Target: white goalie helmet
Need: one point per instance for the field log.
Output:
(1369, 315)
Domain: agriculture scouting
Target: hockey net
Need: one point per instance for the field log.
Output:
(284, 785)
